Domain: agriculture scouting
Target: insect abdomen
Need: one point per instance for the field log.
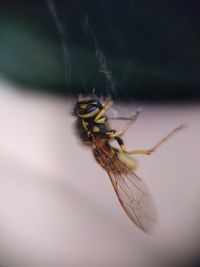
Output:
(127, 160)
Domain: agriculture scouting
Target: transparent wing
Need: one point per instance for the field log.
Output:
(134, 197)
(131, 191)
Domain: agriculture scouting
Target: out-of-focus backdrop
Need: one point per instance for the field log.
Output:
(136, 48)
(57, 206)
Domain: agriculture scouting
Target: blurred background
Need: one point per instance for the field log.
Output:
(57, 206)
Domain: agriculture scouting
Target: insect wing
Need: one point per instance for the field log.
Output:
(134, 198)
(131, 191)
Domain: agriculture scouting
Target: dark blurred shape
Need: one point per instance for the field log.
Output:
(133, 49)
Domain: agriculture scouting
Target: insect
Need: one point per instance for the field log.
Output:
(92, 125)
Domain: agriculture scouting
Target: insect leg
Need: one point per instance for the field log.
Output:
(114, 134)
(153, 149)
(132, 118)
(106, 105)
(123, 148)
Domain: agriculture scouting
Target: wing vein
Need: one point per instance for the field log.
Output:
(131, 191)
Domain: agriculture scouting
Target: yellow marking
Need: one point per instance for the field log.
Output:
(83, 106)
(107, 105)
(85, 124)
(115, 134)
(101, 120)
(96, 129)
(101, 114)
(88, 115)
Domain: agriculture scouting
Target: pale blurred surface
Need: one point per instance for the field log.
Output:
(57, 206)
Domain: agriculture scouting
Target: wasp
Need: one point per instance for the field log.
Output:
(92, 125)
